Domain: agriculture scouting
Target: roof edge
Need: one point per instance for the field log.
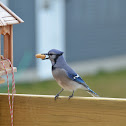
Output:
(11, 12)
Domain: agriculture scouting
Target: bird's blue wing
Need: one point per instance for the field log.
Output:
(77, 79)
(73, 76)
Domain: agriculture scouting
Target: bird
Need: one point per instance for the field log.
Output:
(65, 76)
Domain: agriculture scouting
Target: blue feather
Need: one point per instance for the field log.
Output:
(73, 76)
(77, 79)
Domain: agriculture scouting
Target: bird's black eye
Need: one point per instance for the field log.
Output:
(50, 54)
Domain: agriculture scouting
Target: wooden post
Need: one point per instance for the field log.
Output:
(6, 41)
(10, 45)
(0, 45)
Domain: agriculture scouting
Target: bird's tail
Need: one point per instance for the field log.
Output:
(92, 93)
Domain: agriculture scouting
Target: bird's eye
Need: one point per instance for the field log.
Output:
(50, 54)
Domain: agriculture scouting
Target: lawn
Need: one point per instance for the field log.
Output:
(105, 84)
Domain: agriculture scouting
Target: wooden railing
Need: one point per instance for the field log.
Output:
(43, 110)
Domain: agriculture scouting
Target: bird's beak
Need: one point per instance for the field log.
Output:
(42, 56)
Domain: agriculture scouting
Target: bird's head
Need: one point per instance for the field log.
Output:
(53, 55)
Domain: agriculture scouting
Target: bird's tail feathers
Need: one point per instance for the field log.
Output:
(92, 93)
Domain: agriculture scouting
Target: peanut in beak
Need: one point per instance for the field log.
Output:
(40, 56)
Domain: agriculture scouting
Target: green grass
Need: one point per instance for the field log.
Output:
(105, 84)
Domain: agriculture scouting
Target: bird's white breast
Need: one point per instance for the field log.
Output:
(62, 79)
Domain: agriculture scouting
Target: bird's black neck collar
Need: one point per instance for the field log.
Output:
(57, 56)
(55, 60)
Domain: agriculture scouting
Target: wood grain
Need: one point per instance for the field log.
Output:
(6, 63)
(5, 14)
(10, 12)
(5, 30)
(1, 9)
(6, 39)
(2, 80)
(9, 70)
(38, 110)
(9, 18)
(10, 45)
(12, 22)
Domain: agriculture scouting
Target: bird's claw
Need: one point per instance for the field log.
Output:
(70, 96)
(56, 97)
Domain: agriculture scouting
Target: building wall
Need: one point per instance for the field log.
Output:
(50, 29)
(95, 29)
(42, 30)
(24, 33)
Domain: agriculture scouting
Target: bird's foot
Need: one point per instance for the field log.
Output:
(56, 97)
(70, 96)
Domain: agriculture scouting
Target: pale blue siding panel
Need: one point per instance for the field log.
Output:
(95, 29)
(24, 33)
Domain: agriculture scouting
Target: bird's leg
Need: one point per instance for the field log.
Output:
(71, 95)
(57, 95)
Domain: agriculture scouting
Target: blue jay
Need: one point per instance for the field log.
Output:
(65, 76)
